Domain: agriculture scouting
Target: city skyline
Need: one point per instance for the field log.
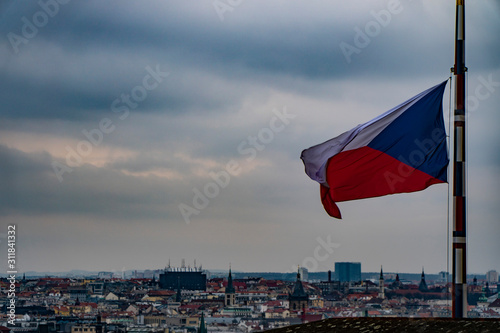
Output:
(131, 133)
(306, 276)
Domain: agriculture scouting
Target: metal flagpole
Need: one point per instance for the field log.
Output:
(459, 288)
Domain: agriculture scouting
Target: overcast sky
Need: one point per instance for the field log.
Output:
(134, 132)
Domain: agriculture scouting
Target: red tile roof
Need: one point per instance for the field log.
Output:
(160, 293)
(495, 304)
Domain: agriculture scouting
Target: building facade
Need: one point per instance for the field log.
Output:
(183, 279)
(304, 274)
(492, 276)
(348, 271)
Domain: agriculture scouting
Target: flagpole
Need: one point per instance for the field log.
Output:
(459, 287)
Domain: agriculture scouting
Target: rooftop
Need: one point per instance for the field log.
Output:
(408, 325)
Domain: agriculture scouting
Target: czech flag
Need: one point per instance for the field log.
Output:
(403, 150)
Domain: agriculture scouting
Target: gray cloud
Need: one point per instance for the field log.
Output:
(30, 187)
(82, 59)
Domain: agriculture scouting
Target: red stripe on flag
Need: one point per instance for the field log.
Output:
(331, 208)
(366, 172)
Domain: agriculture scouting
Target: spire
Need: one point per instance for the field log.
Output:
(230, 286)
(396, 284)
(203, 327)
(423, 285)
(298, 289)
(487, 289)
(298, 299)
(381, 286)
(230, 297)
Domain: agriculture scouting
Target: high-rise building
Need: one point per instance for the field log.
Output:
(492, 276)
(304, 274)
(183, 278)
(444, 276)
(348, 271)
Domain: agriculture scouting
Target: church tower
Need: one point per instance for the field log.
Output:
(298, 299)
(381, 287)
(230, 295)
(397, 283)
(422, 287)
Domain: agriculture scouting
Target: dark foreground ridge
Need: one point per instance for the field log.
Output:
(399, 325)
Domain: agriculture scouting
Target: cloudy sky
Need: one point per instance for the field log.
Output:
(134, 132)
